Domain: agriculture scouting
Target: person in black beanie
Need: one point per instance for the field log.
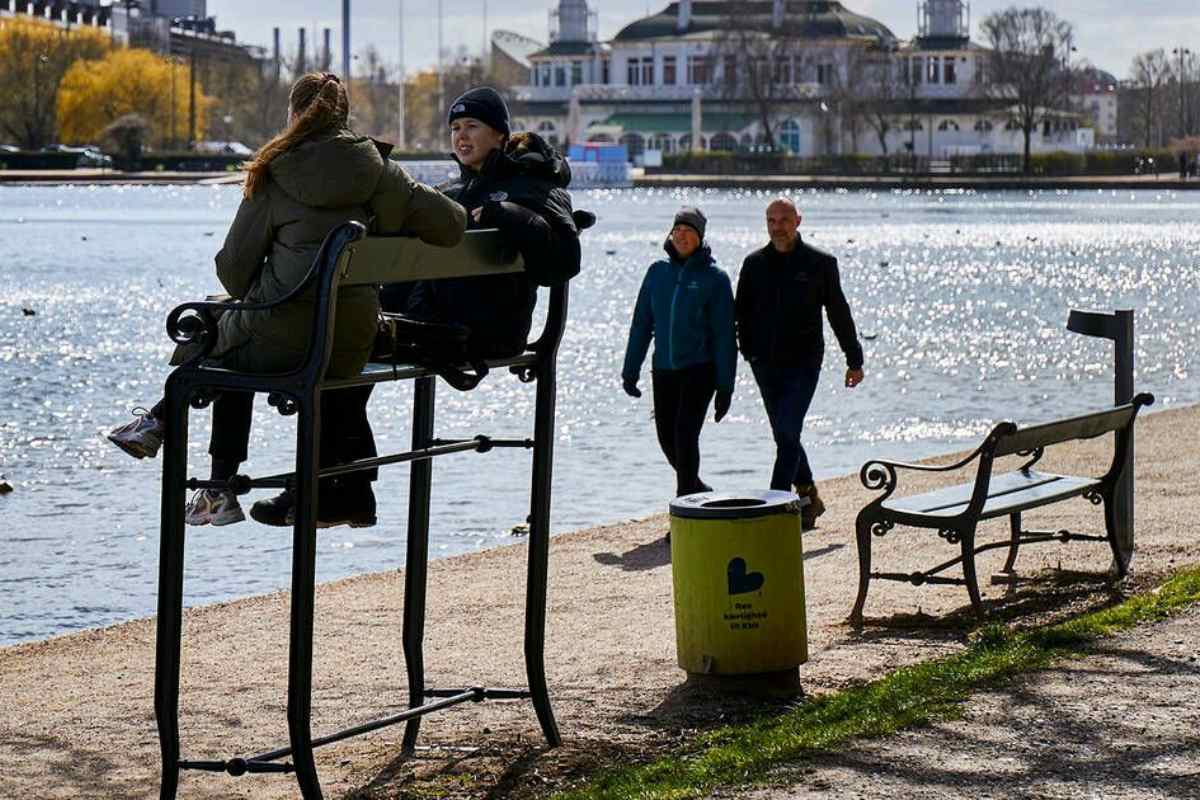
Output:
(516, 183)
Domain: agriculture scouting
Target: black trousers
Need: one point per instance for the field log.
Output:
(681, 399)
(345, 431)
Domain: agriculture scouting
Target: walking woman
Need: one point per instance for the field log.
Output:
(686, 306)
(306, 181)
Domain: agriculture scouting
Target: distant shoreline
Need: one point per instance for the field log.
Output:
(1167, 182)
(73, 177)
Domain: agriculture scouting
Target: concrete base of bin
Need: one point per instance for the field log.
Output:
(784, 683)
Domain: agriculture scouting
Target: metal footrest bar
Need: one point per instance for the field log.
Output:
(1031, 537)
(482, 693)
(917, 578)
(236, 766)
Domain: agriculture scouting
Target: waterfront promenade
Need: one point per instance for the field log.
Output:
(76, 716)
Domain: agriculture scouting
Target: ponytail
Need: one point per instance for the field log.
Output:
(319, 103)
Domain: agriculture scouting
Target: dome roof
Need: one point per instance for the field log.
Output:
(808, 19)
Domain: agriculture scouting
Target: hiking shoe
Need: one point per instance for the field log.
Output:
(140, 438)
(337, 505)
(213, 507)
(814, 509)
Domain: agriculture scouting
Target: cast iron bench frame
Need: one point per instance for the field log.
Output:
(347, 258)
(956, 511)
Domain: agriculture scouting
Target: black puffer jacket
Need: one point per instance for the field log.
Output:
(522, 191)
(778, 308)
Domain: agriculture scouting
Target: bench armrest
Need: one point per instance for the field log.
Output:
(880, 473)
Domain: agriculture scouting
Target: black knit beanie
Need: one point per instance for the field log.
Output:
(692, 217)
(484, 104)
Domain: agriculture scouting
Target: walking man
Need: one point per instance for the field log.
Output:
(780, 294)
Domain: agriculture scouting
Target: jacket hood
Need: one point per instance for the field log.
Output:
(333, 171)
(525, 154)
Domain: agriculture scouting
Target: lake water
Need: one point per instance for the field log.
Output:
(962, 299)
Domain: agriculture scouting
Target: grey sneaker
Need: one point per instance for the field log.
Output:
(140, 438)
(213, 507)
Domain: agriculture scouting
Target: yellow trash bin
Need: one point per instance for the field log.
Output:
(738, 572)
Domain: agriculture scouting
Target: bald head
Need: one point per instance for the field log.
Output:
(783, 224)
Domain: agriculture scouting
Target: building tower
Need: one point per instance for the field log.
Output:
(572, 21)
(944, 19)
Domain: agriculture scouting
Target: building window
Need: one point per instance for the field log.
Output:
(826, 74)
(789, 136)
(983, 126)
(931, 69)
(604, 71)
(548, 132)
(731, 68)
(782, 74)
(545, 70)
(1012, 124)
(648, 71)
(949, 74)
(947, 125)
(576, 73)
(560, 75)
(918, 70)
(669, 78)
(981, 69)
(699, 72)
(664, 143)
(723, 141)
(914, 125)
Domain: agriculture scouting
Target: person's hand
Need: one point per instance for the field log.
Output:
(724, 398)
(630, 388)
(477, 214)
(854, 377)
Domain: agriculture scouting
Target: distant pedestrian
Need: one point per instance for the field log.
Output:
(781, 292)
(686, 306)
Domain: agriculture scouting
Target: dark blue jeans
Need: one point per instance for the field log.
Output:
(787, 393)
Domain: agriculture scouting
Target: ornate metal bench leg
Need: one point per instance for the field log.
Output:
(539, 556)
(170, 586)
(1014, 522)
(304, 558)
(1121, 558)
(416, 562)
(968, 564)
(863, 533)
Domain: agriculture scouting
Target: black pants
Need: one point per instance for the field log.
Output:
(345, 431)
(681, 398)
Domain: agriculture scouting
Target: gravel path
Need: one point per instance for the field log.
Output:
(1121, 724)
(76, 715)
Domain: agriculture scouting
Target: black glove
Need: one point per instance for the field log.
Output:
(724, 398)
(630, 387)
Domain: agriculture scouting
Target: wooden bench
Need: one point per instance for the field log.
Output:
(956, 511)
(349, 258)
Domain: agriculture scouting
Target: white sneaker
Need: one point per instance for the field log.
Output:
(213, 507)
(140, 438)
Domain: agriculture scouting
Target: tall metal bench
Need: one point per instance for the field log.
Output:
(348, 257)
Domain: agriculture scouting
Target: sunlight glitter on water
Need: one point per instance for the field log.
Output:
(961, 299)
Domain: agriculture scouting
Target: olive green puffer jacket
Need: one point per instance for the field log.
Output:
(276, 234)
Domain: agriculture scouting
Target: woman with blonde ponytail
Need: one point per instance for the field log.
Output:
(313, 176)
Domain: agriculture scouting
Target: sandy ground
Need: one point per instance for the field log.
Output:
(76, 712)
(1122, 723)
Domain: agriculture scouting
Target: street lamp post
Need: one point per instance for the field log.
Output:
(1182, 52)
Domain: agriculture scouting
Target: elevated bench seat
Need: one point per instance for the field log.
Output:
(955, 511)
(348, 258)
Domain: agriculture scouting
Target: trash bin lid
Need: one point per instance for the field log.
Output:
(744, 505)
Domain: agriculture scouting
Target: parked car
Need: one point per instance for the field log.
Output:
(9, 148)
(89, 155)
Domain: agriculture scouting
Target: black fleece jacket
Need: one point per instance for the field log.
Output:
(778, 308)
(522, 191)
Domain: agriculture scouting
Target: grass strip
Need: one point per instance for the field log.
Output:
(914, 695)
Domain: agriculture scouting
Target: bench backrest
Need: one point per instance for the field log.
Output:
(400, 259)
(1086, 426)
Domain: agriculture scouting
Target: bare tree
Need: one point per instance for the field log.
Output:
(1028, 65)
(1150, 73)
(767, 68)
(876, 86)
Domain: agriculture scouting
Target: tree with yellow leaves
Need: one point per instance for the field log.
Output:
(34, 57)
(95, 93)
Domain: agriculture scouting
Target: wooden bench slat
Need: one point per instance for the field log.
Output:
(1087, 426)
(400, 259)
(1009, 492)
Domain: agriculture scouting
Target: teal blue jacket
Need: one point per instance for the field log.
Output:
(686, 307)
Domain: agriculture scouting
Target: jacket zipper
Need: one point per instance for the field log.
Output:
(671, 328)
